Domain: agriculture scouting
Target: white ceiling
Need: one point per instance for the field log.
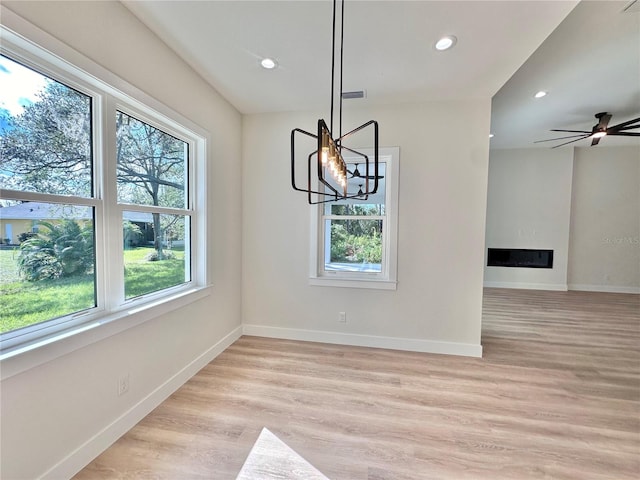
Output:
(589, 64)
(388, 51)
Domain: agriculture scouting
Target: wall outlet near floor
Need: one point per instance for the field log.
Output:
(123, 385)
(342, 317)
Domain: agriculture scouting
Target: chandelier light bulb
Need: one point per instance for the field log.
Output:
(324, 155)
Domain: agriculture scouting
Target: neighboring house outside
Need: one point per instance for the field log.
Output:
(25, 218)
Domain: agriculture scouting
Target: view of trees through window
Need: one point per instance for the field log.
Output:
(48, 205)
(152, 169)
(354, 229)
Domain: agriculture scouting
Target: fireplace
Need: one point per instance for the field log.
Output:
(519, 257)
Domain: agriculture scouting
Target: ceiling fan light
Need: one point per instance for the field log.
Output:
(446, 42)
(599, 134)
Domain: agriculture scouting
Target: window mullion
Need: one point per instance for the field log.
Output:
(46, 197)
(154, 209)
(114, 267)
(354, 217)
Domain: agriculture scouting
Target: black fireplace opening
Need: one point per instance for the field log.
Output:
(519, 257)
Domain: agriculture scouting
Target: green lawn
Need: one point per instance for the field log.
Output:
(8, 267)
(142, 276)
(25, 303)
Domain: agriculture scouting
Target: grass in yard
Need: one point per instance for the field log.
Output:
(8, 265)
(141, 276)
(26, 303)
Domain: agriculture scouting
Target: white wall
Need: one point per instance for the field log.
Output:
(605, 223)
(51, 413)
(443, 180)
(582, 202)
(529, 206)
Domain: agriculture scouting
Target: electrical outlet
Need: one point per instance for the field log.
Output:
(123, 384)
(342, 317)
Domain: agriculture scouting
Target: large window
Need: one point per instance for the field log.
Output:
(354, 240)
(98, 199)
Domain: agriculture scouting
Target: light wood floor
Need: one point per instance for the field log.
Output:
(556, 396)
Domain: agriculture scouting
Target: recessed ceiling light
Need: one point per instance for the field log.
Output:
(446, 42)
(268, 63)
(540, 94)
(491, 135)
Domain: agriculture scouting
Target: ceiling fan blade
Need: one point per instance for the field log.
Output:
(571, 141)
(559, 138)
(571, 131)
(628, 127)
(603, 121)
(600, 130)
(626, 124)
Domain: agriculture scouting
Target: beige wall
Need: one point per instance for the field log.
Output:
(529, 206)
(582, 202)
(443, 180)
(605, 223)
(52, 412)
(17, 227)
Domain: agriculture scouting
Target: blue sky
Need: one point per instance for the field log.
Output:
(18, 86)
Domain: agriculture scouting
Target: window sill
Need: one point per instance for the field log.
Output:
(24, 357)
(353, 283)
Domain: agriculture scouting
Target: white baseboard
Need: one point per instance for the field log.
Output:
(604, 288)
(83, 455)
(528, 286)
(392, 343)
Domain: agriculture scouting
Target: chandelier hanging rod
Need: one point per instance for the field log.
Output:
(333, 64)
(331, 167)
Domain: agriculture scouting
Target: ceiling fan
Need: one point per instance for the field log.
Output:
(356, 174)
(599, 130)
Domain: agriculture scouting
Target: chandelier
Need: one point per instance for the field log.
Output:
(327, 172)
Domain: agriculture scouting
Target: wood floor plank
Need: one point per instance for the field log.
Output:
(556, 396)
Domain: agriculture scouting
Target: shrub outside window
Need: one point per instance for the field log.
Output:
(354, 229)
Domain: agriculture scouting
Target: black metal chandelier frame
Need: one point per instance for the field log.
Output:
(331, 168)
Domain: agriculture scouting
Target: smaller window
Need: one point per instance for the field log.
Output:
(354, 240)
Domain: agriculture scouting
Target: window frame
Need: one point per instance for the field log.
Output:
(121, 207)
(37, 50)
(387, 278)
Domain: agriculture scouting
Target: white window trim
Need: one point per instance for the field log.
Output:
(29, 44)
(388, 279)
